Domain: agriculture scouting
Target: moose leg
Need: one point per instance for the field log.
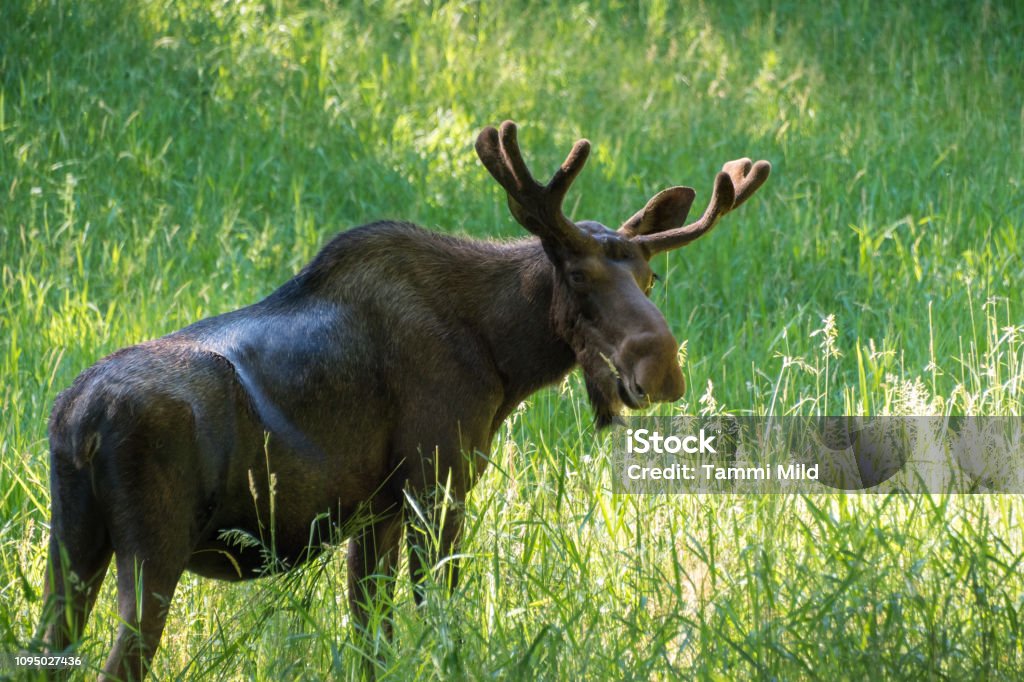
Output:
(72, 583)
(372, 559)
(434, 542)
(144, 591)
(440, 462)
(79, 554)
(152, 536)
(435, 497)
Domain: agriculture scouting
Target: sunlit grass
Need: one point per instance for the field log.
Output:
(161, 162)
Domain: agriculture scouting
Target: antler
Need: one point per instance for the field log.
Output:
(537, 207)
(735, 183)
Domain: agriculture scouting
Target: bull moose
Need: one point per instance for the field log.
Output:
(373, 380)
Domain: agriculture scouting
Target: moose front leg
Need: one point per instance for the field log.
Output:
(433, 534)
(435, 494)
(439, 462)
(372, 559)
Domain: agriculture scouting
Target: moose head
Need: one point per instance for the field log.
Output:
(602, 277)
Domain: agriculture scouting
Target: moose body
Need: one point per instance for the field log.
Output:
(375, 378)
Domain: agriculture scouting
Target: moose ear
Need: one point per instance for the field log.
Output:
(666, 209)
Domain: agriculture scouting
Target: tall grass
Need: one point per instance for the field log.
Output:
(164, 161)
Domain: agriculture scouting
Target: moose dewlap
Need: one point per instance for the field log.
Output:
(164, 453)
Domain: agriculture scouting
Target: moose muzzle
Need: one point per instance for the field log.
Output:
(649, 367)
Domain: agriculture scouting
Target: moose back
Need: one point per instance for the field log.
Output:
(375, 377)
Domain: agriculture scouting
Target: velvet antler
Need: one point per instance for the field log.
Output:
(537, 207)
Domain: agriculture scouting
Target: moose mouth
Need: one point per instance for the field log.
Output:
(610, 389)
(632, 397)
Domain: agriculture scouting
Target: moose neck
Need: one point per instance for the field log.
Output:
(498, 293)
(516, 322)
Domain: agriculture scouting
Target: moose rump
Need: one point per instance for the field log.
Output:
(140, 446)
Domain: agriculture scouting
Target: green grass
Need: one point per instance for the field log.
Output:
(165, 161)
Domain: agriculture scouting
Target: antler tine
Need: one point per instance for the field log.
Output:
(722, 199)
(559, 184)
(752, 179)
(666, 208)
(570, 168)
(513, 159)
(537, 207)
(734, 184)
(488, 148)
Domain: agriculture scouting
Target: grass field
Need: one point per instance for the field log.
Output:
(165, 161)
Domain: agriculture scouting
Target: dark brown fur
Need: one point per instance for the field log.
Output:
(378, 374)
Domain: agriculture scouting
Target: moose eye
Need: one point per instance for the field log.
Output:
(577, 277)
(654, 280)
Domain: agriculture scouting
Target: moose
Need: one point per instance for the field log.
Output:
(372, 381)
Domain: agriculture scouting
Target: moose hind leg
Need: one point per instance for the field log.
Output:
(144, 592)
(79, 554)
(153, 533)
(73, 581)
(152, 543)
